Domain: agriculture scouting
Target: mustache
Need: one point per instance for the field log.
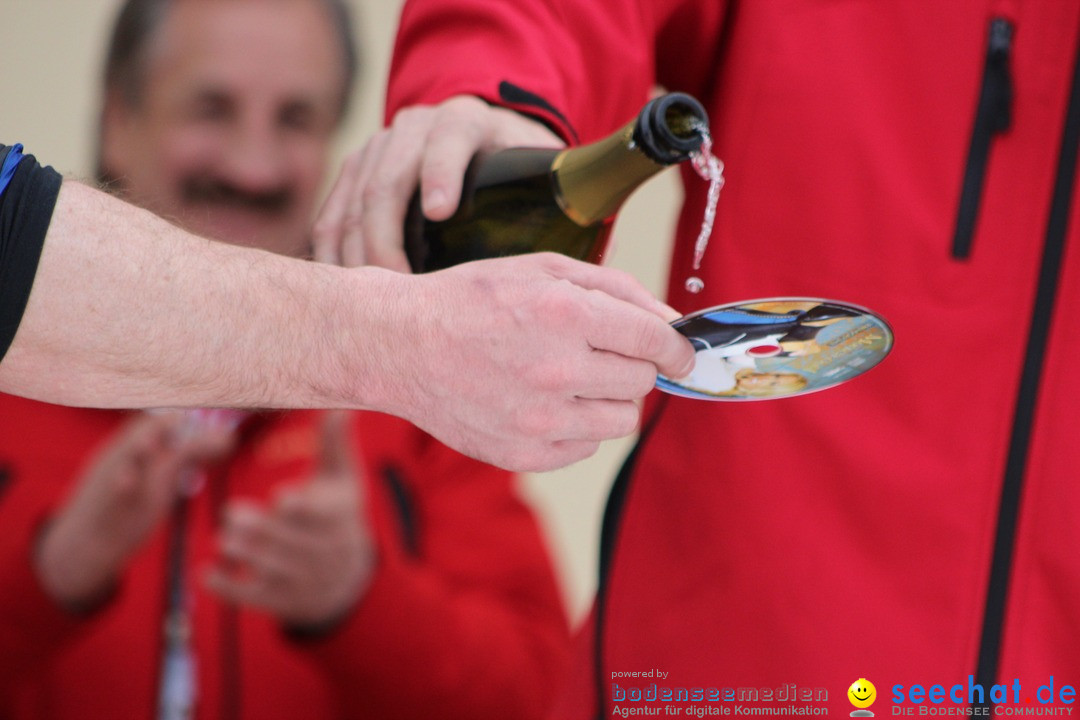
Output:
(212, 191)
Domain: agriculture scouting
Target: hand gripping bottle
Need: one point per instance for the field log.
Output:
(522, 200)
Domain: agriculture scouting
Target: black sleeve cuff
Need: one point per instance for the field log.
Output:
(26, 208)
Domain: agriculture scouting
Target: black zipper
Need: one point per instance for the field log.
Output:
(609, 529)
(1027, 395)
(405, 505)
(993, 116)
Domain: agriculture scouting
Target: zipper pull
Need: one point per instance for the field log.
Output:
(997, 66)
(992, 116)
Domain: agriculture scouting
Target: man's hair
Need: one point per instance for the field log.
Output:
(138, 21)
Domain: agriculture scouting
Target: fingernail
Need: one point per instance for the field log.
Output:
(686, 370)
(433, 199)
(669, 313)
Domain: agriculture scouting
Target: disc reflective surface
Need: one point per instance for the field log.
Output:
(778, 347)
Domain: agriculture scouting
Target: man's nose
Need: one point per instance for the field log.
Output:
(254, 160)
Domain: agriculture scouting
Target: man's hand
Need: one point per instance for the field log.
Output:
(309, 557)
(362, 219)
(128, 489)
(527, 362)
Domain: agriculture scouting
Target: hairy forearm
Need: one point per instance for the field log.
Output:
(525, 362)
(129, 311)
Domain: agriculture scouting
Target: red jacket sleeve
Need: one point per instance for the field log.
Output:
(36, 478)
(463, 621)
(32, 627)
(591, 62)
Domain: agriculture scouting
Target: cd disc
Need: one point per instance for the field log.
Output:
(778, 347)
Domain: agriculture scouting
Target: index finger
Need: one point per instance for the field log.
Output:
(451, 145)
(328, 232)
(633, 332)
(616, 283)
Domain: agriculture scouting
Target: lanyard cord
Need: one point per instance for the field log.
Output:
(177, 689)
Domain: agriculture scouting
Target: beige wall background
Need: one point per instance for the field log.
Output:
(50, 55)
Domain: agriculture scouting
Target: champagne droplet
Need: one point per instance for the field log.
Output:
(694, 285)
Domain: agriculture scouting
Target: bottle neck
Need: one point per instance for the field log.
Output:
(592, 181)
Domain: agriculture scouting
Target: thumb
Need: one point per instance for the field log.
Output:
(334, 484)
(335, 454)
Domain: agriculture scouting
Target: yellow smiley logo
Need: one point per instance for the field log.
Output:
(862, 693)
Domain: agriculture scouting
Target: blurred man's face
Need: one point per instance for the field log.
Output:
(238, 107)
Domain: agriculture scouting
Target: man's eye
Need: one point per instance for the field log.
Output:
(298, 117)
(211, 107)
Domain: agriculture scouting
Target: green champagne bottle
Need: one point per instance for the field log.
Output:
(522, 200)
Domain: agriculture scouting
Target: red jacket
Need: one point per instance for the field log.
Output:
(917, 525)
(463, 618)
